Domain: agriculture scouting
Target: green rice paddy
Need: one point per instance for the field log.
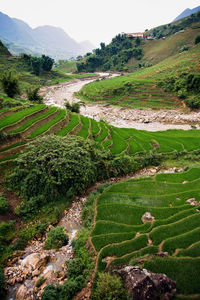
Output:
(121, 237)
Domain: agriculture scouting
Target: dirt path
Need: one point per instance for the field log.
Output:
(147, 119)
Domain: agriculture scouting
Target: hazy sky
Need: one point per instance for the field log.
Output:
(96, 20)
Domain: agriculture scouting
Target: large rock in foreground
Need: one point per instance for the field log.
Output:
(143, 284)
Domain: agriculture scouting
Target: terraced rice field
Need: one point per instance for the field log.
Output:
(26, 124)
(121, 237)
(145, 94)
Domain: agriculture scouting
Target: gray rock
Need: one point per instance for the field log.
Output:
(143, 284)
(147, 217)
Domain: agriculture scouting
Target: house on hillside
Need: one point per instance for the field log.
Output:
(135, 34)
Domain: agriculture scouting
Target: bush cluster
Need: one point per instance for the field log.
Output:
(193, 102)
(109, 287)
(56, 238)
(185, 84)
(33, 95)
(74, 107)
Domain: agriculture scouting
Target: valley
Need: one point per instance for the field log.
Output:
(100, 170)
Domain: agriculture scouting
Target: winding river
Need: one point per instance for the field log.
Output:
(147, 119)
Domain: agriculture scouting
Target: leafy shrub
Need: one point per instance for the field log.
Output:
(10, 84)
(197, 40)
(65, 292)
(193, 102)
(109, 287)
(75, 267)
(182, 94)
(56, 238)
(29, 207)
(3, 204)
(74, 107)
(32, 95)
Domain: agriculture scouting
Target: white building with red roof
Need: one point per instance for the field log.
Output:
(136, 34)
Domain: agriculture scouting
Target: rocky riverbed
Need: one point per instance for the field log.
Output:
(24, 271)
(147, 119)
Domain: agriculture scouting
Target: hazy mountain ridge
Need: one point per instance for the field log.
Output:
(49, 40)
(87, 45)
(187, 12)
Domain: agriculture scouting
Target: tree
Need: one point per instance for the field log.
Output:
(36, 64)
(102, 45)
(47, 63)
(10, 84)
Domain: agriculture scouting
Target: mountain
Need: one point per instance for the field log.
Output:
(187, 12)
(15, 49)
(12, 31)
(49, 40)
(87, 46)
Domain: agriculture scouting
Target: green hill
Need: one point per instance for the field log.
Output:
(157, 50)
(3, 50)
(140, 89)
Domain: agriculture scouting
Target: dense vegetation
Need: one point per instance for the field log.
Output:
(114, 56)
(38, 64)
(186, 84)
